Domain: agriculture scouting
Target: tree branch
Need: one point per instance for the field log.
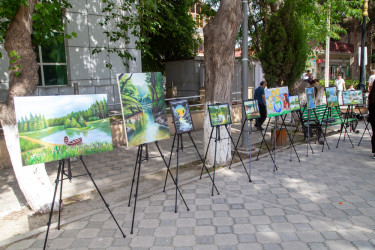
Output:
(126, 81)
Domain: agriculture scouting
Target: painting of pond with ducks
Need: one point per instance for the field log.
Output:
(143, 107)
(53, 128)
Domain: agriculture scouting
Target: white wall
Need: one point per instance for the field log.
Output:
(83, 67)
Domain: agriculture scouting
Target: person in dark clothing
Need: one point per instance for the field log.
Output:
(371, 117)
(261, 98)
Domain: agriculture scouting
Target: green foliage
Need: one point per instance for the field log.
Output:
(284, 46)
(47, 19)
(164, 30)
(27, 145)
(347, 83)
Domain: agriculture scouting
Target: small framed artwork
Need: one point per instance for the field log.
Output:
(277, 101)
(353, 97)
(310, 95)
(251, 109)
(181, 116)
(331, 96)
(294, 103)
(219, 114)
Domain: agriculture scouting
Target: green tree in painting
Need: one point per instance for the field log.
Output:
(130, 96)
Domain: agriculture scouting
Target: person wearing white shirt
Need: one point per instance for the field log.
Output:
(371, 80)
(340, 85)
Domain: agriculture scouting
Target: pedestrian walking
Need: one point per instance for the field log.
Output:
(261, 98)
(340, 85)
(371, 117)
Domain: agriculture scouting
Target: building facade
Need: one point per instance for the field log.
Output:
(70, 62)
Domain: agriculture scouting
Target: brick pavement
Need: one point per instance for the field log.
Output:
(325, 202)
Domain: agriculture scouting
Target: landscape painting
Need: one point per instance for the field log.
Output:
(294, 103)
(310, 95)
(53, 128)
(143, 107)
(277, 101)
(181, 116)
(353, 97)
(219, 114)
(331, 96)
(251, 109)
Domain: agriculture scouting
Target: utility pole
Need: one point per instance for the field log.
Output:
(363, 66)
(245, 67)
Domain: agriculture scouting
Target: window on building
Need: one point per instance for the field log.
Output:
(52, 64)
(198, 8)
(192, 9)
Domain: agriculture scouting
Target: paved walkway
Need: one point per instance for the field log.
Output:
(327, 201)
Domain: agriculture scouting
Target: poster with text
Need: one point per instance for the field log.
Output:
(53, 128)
(310, 95)
(353, 97)
(294, 103)
(219, 114)
(277, 101)
(181, 116)
(143, 107)
(251, 109)
(331, 96)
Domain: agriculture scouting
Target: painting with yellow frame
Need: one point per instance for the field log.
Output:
(277, 101)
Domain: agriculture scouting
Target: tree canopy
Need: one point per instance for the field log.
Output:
(164, 30)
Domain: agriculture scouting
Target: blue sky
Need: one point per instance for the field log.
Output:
(54, 106)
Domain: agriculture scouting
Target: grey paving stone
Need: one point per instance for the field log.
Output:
(185, 230)
(317, 246)
(310, 236)
(263, 228)
(224, 229)
(205, 240)
(288, 236)
(303, 226)
(268, 237)
(272, 247)
(101, 242)
(163, 241)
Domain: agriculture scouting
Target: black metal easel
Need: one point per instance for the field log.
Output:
(366, 125)
(60, 178)
(178, 148)
(138, 163)
(217, 138)
(344, 127)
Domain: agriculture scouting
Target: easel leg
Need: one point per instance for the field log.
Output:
(61, 163)
(236, 151)
(205, 156)
(291, 132)
(169, 163)
(97, 189)
(264, 140)
(61, 187)
(250, 145)
(204, 164)
(213, 183)
(179, 140)
(135, 169)
(289, 136)
(168, 170)
(243, 125)
(274, 149)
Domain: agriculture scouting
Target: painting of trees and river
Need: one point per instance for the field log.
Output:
(143, 107)
(60, 127)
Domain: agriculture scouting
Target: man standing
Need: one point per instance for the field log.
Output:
(261, 98)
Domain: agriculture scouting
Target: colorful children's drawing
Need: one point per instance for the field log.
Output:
(143, 107)
(219, 114)
(310, 94)
(331, 95)
(181, 116)
(251, 109)
(353, 97)
(53, 128)
(294, 103)
(277, 101)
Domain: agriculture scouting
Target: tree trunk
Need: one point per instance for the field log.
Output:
(33, 180)
(219, 44)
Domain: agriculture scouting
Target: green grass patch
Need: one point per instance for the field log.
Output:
(27, 145)
(59, 152)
